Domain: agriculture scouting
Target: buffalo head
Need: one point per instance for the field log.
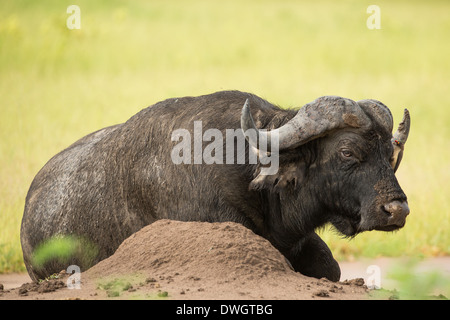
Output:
(338, 157)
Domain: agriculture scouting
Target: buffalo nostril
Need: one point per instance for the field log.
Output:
(397, 208)
(385, 209)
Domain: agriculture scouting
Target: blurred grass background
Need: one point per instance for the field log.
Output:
(57, 85)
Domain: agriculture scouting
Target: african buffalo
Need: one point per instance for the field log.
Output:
(336, 158)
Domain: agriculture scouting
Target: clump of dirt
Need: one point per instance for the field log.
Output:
(198, 260)
(51, 284)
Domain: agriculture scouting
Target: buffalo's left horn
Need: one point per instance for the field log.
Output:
(399, 139)
(312, 121)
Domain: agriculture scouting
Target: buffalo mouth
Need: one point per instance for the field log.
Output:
(351, 227)
(368, 220)
(387, 228)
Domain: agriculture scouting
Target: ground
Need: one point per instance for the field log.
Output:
(194, 260)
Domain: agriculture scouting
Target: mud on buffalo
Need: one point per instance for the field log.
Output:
(336, 163)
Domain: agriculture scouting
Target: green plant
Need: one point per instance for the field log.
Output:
(65, 250)
(414, 284)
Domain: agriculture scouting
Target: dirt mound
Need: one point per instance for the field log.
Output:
(200, 260)
(197, 260)
(196, 249)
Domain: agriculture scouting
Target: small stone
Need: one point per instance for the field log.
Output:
(23, 292)
(322, 293)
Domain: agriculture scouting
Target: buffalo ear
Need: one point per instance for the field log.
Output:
(291, 173)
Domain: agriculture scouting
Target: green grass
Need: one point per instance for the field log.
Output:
(117, 286)
(57, 85)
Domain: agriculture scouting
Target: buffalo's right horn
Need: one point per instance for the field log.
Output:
(312, 121)
(399, 139)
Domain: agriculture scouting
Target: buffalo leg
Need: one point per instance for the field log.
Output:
(312, 257)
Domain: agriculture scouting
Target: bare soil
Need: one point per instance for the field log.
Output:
(191, 260)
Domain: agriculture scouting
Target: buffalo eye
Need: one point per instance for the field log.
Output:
(346, 153)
